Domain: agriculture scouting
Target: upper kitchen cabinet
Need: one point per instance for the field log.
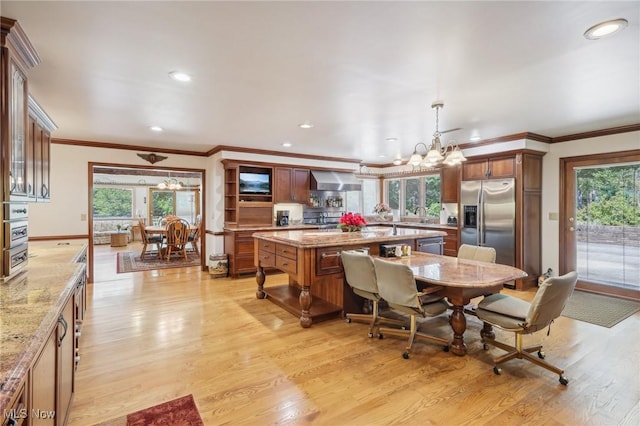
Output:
(450, 184)
(17, 57)
(291, 185)
(489, 168)
(38, 150)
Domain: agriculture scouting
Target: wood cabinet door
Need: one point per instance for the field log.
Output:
(66, 361)
(43, 385)
(474, 170)
(45, 149)
(450, 185)
(282, 188)
(301, 181)
(502, 168)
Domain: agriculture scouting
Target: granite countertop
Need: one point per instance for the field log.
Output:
(236, 228)
(421, 225)
(371, 234)
(29, 307)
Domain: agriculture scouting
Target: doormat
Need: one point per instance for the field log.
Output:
(129, 261)
(178, 412)
(597, 309)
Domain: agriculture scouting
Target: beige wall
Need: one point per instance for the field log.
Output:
(551, 183)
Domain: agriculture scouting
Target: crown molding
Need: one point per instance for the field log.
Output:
(596, 133)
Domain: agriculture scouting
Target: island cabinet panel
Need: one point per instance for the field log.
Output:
(328, 260)
(43, 384)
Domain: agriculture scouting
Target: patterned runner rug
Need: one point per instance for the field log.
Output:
(597, 309)
(178, 412)
(129, 261)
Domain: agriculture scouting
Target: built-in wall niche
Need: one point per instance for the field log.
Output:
(255, 183)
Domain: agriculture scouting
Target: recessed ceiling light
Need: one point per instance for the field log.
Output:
(397, 161)
(382, 156)
(391, 139)
(156, 128)
(180, 76)
(286, 144)
(305, 125)
(605, 28)
(475, 138)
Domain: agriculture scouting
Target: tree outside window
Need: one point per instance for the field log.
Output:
(112, 203)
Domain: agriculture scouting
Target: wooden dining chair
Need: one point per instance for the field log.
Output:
(148, 240)
(194, 236)
(177, 238)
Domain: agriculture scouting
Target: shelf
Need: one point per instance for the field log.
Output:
(286, 297)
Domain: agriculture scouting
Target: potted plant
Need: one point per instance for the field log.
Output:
(382, 209)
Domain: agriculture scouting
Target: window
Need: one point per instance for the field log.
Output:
(411, 195)
(109, 202)
(370, 195)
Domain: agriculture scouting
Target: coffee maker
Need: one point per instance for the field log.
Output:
(282, 217)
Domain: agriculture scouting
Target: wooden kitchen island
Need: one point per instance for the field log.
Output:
(311, 258)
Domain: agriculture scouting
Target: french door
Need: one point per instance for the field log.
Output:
(182, 203)
(600, 222)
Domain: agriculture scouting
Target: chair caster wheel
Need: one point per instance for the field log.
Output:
(405, 355)
(445, 348)
(497, 371)
(564, 381)
(370, 335)
(347, 320)
(380, 336)
(541, 355)
(485, 346)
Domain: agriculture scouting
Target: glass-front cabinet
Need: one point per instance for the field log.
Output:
(18, 134)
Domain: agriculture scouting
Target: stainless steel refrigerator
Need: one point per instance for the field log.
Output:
(488, 216)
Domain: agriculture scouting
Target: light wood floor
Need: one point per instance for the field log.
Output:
(154, 336)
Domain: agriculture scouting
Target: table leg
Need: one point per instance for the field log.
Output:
(459, 325)
(305, 304)
(260, 277)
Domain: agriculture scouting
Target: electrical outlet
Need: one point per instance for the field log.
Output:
(83, 217)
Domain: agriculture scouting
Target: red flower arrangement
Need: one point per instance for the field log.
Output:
(350, 222)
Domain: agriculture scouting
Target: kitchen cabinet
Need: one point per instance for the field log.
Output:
(526, 168)
(52, 375)
(239, 248)
(38, 150)
(450, 184)
(291, 185)
(489, 168)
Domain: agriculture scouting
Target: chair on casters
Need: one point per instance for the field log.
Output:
(397, 286)
(482, 254)
(360, 275)
(521, 317)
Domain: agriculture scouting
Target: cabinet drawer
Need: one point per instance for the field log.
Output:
(287, 265)
(286, 251)
(267, 259)
(267, 246)
(328, 260)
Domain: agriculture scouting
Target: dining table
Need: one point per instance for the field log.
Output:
(460, 280)
(162, 230)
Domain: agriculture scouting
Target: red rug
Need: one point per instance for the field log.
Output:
(178, 412)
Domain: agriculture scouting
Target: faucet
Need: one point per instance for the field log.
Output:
(424, 210)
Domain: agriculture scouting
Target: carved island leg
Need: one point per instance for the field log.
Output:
(459, 325)
(260, 277)
(305, 304)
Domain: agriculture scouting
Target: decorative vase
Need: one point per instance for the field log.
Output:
(382, 215)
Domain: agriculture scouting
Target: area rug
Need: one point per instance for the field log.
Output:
(178, 412)
(129, 261)
(597, 309)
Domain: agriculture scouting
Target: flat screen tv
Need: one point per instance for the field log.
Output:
(258, 183)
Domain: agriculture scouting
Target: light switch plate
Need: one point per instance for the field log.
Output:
(553, 216)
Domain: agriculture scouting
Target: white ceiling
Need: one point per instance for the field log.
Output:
(361, 72)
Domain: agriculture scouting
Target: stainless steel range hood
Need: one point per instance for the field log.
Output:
(334, 181)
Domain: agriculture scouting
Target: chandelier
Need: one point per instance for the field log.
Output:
(436, 154)
(171, 183)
